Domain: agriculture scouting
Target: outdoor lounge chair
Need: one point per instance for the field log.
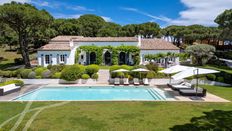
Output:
(192, 92)
(7, 89)
(171, 84)
(116, 81)
(126, 81)
(136, 81)
(183, 85)
(145, 81)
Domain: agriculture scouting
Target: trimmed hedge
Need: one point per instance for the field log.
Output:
(16, 82)
(25, 72)
(39, 70)
(85, 76)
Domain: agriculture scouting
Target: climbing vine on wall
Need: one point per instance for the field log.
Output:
(114, 50)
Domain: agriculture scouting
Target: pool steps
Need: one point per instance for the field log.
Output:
(155, 94)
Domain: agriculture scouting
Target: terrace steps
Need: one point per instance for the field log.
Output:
(104, 76)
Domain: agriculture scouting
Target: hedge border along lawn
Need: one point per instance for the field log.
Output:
(16, 82)
(160, 116)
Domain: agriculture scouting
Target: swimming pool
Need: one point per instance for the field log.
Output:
(93, 94)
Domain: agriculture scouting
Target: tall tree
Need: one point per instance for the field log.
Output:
(224, 21)
(91, 24)
(24, 19)
(109, 29)
(149, 29)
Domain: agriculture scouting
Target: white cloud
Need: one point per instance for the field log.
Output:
(58, 15)
(8, 1)
(201, 12)
(107, 19)
(80, 8)
(161, 18)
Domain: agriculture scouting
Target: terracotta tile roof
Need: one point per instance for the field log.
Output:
(54, 47)
(106, 39)
(65, 38)
(157, 44)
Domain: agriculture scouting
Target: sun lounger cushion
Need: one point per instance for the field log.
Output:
(8, 89)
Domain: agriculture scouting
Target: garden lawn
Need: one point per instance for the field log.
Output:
(160, 116)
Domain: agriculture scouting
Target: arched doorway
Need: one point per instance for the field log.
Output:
(122, 58)
(107, 57)
(92, 58)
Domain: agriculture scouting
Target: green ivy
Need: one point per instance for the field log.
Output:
(115, 52)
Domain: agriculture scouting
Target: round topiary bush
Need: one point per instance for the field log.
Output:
(25, 72)
(72, 73)
(32, 75)
(211, 77)
(46, 74)
(91, 69)
(150, 75)
(220, 79)
(94, 76)
(85, 76)
(39, 70)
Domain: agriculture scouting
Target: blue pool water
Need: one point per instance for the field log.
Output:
(92, 94)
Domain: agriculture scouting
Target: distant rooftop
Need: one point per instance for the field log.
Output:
(157, 44)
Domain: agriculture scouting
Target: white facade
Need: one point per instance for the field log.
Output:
(46, 57)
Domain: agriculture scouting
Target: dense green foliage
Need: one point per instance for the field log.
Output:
(115, 52)
(16, 82)
(91, 69)
(85, 76)
(201, 53)
(72, 72)
(224, 21)
(26, 21)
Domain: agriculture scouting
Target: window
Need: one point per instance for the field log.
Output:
(47, 59)
(62, 57)
(82, 57)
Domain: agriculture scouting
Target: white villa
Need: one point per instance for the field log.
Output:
(62, 49)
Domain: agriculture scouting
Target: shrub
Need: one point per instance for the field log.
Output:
(56, 75)
(91, 69)
(211, 77)
(56, 68)
(220, 79)
(49, 66)
(159, 75)
(31, 75)
(16, 82)
(94, 76)
(150, 75)
(114, 67)
(8, 73)
(152, 67)
(120, 75)
(46, 74)
(39, 70)
(38, 77)
(85, 76)
(25, 72)
(72, 73)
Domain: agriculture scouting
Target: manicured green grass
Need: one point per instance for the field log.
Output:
(159, 116)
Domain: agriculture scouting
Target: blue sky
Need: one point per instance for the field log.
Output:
(164, 12)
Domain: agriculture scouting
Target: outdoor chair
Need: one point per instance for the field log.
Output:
(136, 81)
